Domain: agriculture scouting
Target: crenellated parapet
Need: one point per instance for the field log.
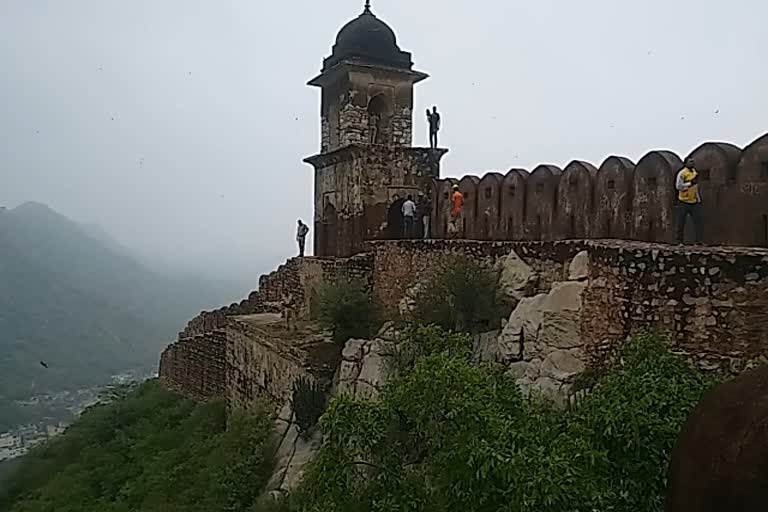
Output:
(619, 199)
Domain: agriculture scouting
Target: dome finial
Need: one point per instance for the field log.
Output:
(367, 6)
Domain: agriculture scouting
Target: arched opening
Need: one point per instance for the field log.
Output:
(330, 231)
(378, 120)
(395, 224)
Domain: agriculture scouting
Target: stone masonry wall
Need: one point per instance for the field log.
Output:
(401, 265)
(620, 200)
(196, 367)
(298, 277)
(359, 190)
(218, 356)
(712, 301)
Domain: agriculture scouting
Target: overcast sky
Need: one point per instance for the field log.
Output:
(180, 125)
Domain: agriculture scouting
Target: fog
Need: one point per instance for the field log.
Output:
(180, 125)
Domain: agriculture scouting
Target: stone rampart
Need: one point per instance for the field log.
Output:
(618, 200)
(195, 367)
(298, 277)
(217, 355)
(713, 301)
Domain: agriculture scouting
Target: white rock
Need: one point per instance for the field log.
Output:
(564, 297)
(579, 268)
(515, 275)
(562, 365)
(304, 452)
(353, 350)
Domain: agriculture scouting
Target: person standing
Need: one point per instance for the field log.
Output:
(424, 212)
(301, 237)
(289, 305)
(457, 203)
(434, 126)
(688, 201)
(409, 216)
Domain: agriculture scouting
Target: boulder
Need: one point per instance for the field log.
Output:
(720, 461)
(579, 267)
(516, 276)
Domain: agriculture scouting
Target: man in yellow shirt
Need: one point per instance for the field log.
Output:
(688, 200)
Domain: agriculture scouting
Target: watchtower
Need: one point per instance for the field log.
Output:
(366, 165)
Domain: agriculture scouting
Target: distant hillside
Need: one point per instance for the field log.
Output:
(73, 298)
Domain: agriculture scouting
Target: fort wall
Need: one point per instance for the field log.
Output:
(712, 301)
(619, 199)
(221, 354)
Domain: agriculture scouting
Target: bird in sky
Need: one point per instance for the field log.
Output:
(42, 363)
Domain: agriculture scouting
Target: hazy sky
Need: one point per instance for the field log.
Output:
(180, 125)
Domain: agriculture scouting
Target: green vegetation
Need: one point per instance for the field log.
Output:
(462, 296)
(344, 305)
(308, 403)
(449, 436)
(149, 451)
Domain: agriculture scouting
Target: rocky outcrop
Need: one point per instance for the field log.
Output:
(294, 451)
(365, 365)
(541, 343)
(516, 276)
(363, 371)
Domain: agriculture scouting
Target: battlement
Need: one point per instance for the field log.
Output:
(619, 199)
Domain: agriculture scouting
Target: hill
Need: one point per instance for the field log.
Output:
(73, 298)
(148, 451)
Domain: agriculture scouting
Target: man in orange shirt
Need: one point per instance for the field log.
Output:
(457, 203)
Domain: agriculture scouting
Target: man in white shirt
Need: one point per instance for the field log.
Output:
(409, 216)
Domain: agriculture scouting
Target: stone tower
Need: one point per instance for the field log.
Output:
(366, 165)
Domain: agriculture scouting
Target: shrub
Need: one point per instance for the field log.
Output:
(450, 436)
(462, 295)
(308, 403)
(419, 341)
(151, 451)
(345, 306)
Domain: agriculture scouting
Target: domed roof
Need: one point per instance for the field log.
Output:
(369, 40)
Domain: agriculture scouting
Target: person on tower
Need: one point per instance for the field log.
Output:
(409, 217)
(433, 118)
(688, 201)
(457, 203)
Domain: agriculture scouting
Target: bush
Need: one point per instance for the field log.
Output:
(344, 305)
(308, 403)
(462, 296)
(150, 451)
(450, 436)
(419, 341)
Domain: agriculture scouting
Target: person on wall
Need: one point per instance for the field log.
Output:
(409, 217)
(688, 201)
(301, 237)
(424, 211)
(457, 203)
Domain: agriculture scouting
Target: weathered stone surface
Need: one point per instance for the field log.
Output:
(579, 267)
(516, 276)
(562, 365)
(364, 369)
(523, 325)
(303, 453)
(720, 461)
(564, 297)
